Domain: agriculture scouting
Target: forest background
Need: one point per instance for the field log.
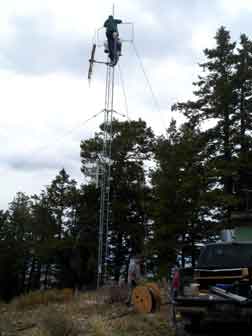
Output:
(168, 193)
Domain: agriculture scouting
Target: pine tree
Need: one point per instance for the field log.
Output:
(243, 119)
(215, 104)
(20, 224)
(60, 195)
(44, 232)
(131, 146)
(180, 189)
(85, 236)
(10, 261)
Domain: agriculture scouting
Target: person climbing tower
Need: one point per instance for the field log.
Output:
(112, 35)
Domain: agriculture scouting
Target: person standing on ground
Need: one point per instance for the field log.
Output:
(175, 280)
(134, 275)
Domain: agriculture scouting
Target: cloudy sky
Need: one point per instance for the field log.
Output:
(45, 96)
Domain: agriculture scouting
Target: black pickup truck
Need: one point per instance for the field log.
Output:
(220, 288)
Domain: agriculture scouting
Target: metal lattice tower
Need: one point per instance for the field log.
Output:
(105, 173)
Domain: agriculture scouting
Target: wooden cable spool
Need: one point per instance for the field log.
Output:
(142, 299)
(146, 298)
(155, 291)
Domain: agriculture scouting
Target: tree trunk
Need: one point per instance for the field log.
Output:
(37, 283)
(46, 276)
(29, 283)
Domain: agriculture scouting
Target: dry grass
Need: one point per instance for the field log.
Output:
(138, 325)
(84, 315)
(98, 326)
(55, 323)
(42, 298)
(117, 294)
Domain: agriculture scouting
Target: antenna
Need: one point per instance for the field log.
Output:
(91, 62)
(104, 162)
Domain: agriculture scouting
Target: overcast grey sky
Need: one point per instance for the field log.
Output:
(45, 97)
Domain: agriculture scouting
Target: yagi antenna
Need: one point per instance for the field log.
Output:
(91, 62)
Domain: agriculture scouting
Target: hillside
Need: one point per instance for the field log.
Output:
(85, 314)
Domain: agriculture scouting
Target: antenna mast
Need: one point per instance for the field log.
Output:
(103, 172)
(106, 162)
(105, 204)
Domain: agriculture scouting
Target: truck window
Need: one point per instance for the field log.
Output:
(226, 256)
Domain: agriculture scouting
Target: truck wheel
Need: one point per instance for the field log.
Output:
(180, 329)
(194, 324)
(177, 326)
(172, 317)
